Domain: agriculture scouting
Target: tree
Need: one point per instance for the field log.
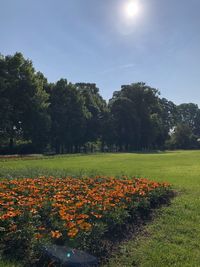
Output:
(4, 103)
(167, 121)
(96, 107)
(24, 101)
(190, 114)
(39, 128)
(125, 123)
(134, 110)
(183, 138)
(68, 115)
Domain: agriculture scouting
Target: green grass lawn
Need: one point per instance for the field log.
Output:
(173, 237)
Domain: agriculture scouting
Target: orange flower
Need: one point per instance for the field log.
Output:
(34, 211)
(70, 225)
(69, 200)
(80, 222)
(56, 234)
(79, 204)
(98, 216)
(85, 226)
(41, 228)
(82, 216)
(72, 232)
(38, 236)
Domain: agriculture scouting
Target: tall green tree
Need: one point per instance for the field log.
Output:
(125, 123)
(96, 107)
(134, 110)
(183, 137)
(24, 101)
(4, 103)
(168, 117)
(68, 115)
(189, 113)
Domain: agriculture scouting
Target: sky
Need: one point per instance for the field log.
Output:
(98, 41)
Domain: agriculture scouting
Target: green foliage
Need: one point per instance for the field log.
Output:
(135, 112)
(62, 117)
(95, 106)
(189, 114)
(24, 102)
(183, 138)
(68, 115)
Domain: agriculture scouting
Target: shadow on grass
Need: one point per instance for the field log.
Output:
(129, 230)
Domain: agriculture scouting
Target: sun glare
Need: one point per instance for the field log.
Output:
(131, 9)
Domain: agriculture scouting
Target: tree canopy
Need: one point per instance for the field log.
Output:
(36, 116)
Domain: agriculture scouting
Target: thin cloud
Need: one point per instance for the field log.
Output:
(120, 67)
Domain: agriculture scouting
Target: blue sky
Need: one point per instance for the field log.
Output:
(93, 41)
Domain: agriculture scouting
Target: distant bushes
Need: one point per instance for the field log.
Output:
(21, 148)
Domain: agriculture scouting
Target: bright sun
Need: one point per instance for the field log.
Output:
(131, 9)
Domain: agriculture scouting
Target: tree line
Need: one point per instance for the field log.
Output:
(37, 116)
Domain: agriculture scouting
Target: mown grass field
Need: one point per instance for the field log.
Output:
(172, 238)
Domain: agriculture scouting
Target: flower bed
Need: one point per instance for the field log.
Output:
(72, 211)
